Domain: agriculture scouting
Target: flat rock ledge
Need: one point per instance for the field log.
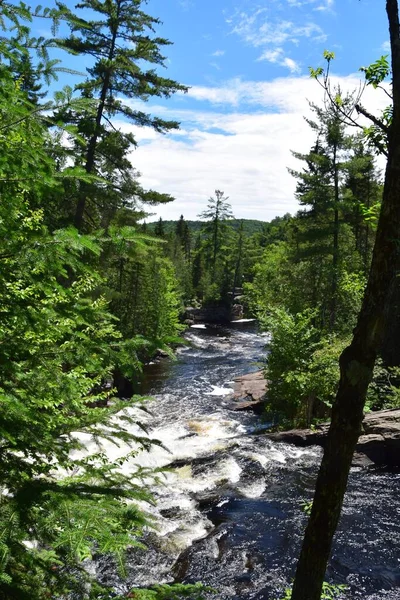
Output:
(249, 392)
(379, 442)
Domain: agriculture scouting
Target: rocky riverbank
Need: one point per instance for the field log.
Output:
(379, 442)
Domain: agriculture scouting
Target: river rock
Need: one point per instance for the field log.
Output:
(219, 315)
(237, 312)
(379, 442)
(249, 392)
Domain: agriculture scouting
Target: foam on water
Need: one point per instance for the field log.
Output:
(243, 321)
(252, 490)
(219, 391)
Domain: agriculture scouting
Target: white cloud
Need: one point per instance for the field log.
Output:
(327, 5)
(261, 29)
(283, 94)
(244, 152)
(291, 64)
(277, 56)
(258, 29)
(218, 53)
(386, 46)
(273, 56)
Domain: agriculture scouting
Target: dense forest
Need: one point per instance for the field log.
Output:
(91, 289)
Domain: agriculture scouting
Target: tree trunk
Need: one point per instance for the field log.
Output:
(335, 251)
(238, 262)
(390, 351)
(90, 156)
(92, 146)
(356, 362)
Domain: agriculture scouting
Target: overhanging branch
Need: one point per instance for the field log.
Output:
(362, 111)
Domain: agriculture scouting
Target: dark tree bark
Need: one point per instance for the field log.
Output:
(335, 251)
(390, 351)
(357, 361)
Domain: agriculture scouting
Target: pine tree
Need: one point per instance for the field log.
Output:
(239, 256)
(120, 38)
(363, 193)
(58, 343)
(218, 211)
(180, 228)
(61, 501)
(320, 188)
(159, 228)
(182, 233)
(198, 267)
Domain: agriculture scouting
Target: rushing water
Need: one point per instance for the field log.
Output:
(228, 510)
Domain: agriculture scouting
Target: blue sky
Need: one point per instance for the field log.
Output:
(246, 63)
(222, 39)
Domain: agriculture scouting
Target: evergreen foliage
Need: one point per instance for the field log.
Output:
(58, 344)
(86, 292)
(61, 500)
(120, 38)
(251, 226)
(307, 288)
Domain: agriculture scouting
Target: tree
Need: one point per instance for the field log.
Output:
(218, 211)
(182, 233)
(159, 228)
(357, 360)
(58, 344)
(320, 188)
(239, 251)
(198, 267)
(61, 501)
(362, 198)
(119, 37)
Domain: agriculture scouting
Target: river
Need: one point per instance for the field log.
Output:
(229, 510)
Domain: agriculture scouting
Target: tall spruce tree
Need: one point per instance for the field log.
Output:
(60, 501)
(183, 236)
(217, 212)
(362, 198)
(320, 188)
(56, 346)
(159, 228)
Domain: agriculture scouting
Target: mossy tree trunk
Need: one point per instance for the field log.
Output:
(357, 361)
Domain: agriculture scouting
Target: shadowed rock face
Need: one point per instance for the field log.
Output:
(218, 315)
(378, 443)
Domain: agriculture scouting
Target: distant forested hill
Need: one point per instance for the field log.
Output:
(251, 226)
